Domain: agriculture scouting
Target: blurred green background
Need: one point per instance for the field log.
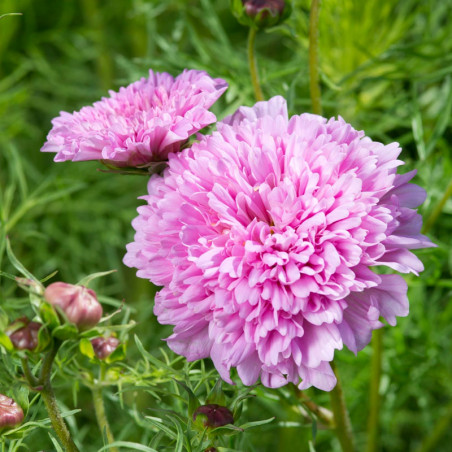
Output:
(386, 67)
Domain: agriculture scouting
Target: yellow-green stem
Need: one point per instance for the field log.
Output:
(99, 409)
(324, 415)
(252, 62)
(374, 400)
(101, 417)
(314, 86)
(343, 426)
(32, 380)
(50, 402)
(441, 427)
(438, 209)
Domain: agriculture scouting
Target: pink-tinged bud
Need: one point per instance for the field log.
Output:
(215, 415)
(261, 13)
(24, 334)
(78, 303)
(104, 346)
(11, 413)
(272, 7)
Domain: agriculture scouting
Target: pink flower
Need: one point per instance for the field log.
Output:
(140, 124)
(263, 236)
(78, 303)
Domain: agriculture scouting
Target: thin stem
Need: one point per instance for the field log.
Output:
(324, 415)
(374, 402)
(99, 409)
(50, 402)
(314, 86)
(441, 427)
(252, 62)
(438, 209)
(31, 379)
(343, 427)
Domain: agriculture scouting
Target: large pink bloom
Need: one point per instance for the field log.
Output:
(263, 235)
(141, 123)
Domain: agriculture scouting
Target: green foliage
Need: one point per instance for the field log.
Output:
(386, 67)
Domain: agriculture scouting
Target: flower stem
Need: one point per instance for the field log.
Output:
(374, 402)
(324, 415)
(252, 62)
(438, 209)
(48, 396)
(99, 409)
(343, 427)
(32, 380)
(441, 427)
(314, 86)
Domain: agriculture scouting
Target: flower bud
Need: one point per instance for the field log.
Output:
(215, 415)
(24, 334)
(272, 7)
(78, 303)
(11, 413)
(104, 346)
(261, 13)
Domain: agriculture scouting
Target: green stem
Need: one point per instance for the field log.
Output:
(343, 427)
(50, 402)
(32, 380)
(314, 86)
(324, 415)
(374, 402)
(441, 427)
(99, 409)
(438, 209)
(252, 62)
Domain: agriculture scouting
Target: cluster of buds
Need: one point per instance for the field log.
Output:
(77, 303)
(261, 13)
(11, 413)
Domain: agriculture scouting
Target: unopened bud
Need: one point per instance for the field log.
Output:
(78, 303)
(267, 7)
(104, 346)
(11, 413)
(211, 449)
(261, 13)
(24, 334)
(215, 415)
(29, 285)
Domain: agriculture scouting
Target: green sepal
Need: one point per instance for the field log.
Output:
(193, 401)
(86, 348)
(216, 395)
(118, 354)
(65, 332)
(5, 342)
(48, 315)
(43, 340)
(264, 19)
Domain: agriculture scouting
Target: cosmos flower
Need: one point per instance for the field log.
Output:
(265, 235)
(140, 124)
